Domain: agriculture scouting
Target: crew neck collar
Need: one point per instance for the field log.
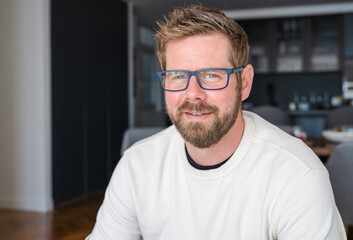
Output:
(233, 161)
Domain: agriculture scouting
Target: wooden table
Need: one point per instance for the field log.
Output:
(321, 147)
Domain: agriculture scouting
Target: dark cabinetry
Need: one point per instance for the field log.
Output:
(295, 44)
(89, 93)
(303, 58)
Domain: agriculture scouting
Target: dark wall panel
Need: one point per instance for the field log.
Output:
(89, 93)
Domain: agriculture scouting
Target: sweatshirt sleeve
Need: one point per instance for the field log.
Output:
(311, 212)
(116, 218)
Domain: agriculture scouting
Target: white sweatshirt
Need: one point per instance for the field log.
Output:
(273, 187)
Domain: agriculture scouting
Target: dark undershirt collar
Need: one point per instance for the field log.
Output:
(201, 167)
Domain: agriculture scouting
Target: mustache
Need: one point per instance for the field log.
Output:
(197, 107)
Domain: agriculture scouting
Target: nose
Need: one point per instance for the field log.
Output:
(194, 92)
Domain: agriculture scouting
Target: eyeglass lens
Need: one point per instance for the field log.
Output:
(209, 79)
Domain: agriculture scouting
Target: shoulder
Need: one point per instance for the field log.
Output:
(296, 179)
(154, 142)
(153, 152)
(146, 166)
(282, 147)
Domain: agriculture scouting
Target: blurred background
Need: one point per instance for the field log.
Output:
(75, 75)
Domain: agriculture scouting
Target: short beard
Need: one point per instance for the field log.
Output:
(197, 133)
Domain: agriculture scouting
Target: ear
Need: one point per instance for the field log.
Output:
(247, 78)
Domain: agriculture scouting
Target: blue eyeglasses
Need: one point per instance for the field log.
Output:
(208, 79)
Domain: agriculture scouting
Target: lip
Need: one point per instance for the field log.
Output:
(196, 116)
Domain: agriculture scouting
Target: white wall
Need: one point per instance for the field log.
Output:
(25, 162)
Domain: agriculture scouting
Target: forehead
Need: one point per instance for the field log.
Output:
(208, 50)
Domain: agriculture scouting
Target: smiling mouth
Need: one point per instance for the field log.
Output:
(196, 114)
(196, 111)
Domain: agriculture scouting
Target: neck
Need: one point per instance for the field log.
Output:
(221, 150)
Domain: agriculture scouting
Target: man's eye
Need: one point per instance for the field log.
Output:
(180, 77)
(211, 75)
(176, 78)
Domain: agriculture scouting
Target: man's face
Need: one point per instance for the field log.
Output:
(201, 116)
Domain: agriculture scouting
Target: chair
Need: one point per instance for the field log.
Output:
(132, 135)
(340, 167)
(272, 114)
(340, 116)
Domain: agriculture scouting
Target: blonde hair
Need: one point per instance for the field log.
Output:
(198, 20)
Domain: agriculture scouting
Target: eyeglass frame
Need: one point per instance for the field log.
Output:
(196, 73)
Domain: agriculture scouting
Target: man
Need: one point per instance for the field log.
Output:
(218, 172)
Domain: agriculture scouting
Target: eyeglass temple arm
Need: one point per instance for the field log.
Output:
(239, 69)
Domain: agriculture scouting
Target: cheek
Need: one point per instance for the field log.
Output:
(225, 100)
(172, 100)
(222, 97)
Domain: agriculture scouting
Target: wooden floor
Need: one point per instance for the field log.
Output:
(72, 221)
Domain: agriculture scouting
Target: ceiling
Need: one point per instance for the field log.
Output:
(150, 11)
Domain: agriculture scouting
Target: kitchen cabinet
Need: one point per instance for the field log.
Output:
(326, 44)
(295, 44)
(289, 45)
(348, 29)
(258, 35)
